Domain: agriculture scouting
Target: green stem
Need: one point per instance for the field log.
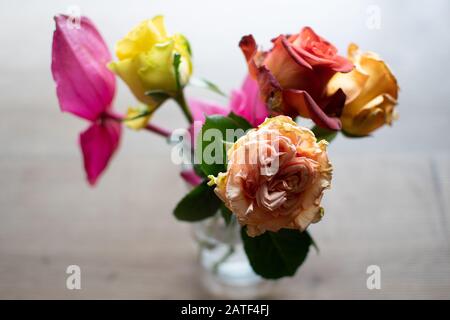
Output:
(149, 127)
(231, 247)
(181, 100)
(228, 254)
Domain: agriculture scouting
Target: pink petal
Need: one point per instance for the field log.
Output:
(84, 85)
(247, 103)
(98, 143)
(201, 109)
(191, 177)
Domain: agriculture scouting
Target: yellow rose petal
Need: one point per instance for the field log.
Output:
(157, 71)
(146, 56)
(128, 70)
(137, 118)
(141, 38)
(371, 91)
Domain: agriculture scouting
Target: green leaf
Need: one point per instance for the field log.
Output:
(226, 214)
(199, 204)
(213, 139)
(274, 255)
(203, 83)
(198, 170)
(242, 123)
(324, 134)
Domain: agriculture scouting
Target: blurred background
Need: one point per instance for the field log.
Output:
(389, 204)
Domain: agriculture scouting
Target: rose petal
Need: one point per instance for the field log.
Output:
(371, 116)
(351, 83)
(335, 104)
(294, 55)
(380, 80)
(301, 45)
(84, 85)
(249, 49)
(98, 144)
(289, 69)
(302, 102)
(371, 90)
(142, 38)
(270, 90)
(288, 199)
(342, 64)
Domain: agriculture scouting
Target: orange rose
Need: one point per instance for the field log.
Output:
(371, 90)
(293, 76)
(276, 177)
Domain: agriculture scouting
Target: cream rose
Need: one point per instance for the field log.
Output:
(275, 178)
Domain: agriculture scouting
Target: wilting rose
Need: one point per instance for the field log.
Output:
(293, 76)
(276, 177)
(371, 91)
(146, 60)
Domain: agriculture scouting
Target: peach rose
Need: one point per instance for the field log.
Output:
(275, 178)
(371, 90)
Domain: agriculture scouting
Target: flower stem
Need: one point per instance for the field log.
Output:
(228, 254)
(230, 229)
(158, 130)
(149, 127)
(181, 100)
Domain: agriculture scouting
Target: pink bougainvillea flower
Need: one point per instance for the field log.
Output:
(199, 110)
(98, 143)
(245, 102)
(85, 87)
(191, 177)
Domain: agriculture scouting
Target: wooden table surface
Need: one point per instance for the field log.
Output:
(389, 205)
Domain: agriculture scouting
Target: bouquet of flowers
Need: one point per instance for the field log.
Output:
(249, 162)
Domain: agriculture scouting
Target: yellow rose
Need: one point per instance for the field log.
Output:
(371, 91)
(275, 177)
(146, 60)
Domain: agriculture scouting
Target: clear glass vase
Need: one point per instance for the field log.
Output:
(226, 271)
